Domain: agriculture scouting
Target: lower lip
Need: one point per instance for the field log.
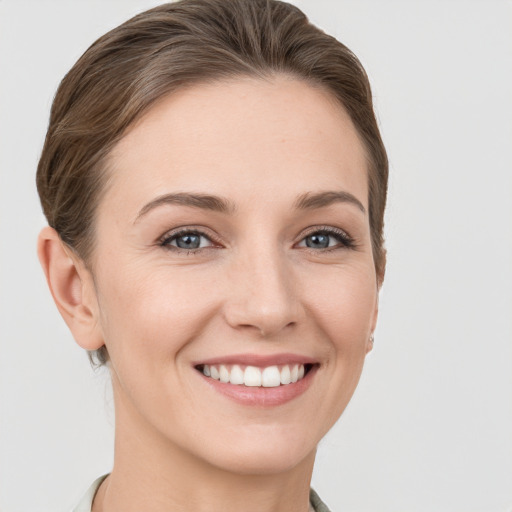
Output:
(261, 396)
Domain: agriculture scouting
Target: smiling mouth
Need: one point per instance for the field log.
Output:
(253, 376)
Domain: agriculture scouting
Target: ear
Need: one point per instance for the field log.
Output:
(72, 287)
(369, 342)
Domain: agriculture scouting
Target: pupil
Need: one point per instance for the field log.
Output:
(318, 241)
(188, 242)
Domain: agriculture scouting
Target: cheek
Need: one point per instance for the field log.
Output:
(152, 315)
(341, 307)
(343, 301)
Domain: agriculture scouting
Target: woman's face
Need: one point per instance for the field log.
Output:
(235, 233)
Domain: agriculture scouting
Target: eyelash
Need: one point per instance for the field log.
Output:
(167, 238)
(345, 240)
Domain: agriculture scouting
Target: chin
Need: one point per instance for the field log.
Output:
(267, 454)
(259, 463)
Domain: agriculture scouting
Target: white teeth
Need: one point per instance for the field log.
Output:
(295, 373)
(285, 375)
(237, 375)
(223, 373)
(252, 376)
(214, 373)
(270, 377)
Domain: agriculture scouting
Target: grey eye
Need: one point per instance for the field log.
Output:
(327, 238)
(318, 241)
(188, 241)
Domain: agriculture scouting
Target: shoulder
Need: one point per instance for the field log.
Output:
(317, 504)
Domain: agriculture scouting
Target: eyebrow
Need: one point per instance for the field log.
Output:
(306, 201)
(311, 201)
(202, 201)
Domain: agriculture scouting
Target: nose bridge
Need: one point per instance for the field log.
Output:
(264, 293)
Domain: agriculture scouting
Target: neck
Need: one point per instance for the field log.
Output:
(154, 474)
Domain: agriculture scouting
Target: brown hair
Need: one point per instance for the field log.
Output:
(176, 45)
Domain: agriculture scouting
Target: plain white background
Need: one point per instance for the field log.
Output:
(430, 426)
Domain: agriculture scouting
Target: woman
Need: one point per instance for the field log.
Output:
(214, 183)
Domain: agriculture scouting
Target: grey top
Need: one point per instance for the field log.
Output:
(85, 505)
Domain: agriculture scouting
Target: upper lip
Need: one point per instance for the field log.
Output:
(261, 361)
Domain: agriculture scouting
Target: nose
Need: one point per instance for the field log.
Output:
(262, 294)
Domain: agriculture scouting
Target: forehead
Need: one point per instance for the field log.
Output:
(243, 137)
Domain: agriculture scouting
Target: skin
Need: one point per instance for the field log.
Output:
(255, 287)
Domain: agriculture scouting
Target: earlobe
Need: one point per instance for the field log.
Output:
(72, 289)
(369, 344)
